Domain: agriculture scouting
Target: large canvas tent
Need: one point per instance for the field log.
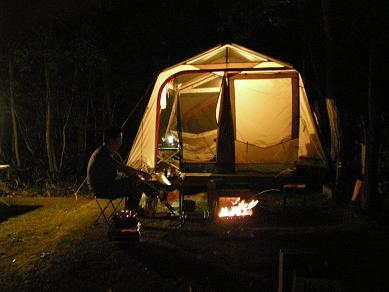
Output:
(227, 109)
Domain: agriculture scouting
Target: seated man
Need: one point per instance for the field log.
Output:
(109, 177)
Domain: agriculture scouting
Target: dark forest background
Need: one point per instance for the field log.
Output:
(69, 68)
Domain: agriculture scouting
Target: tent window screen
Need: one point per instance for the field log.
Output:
(263, 115)
(198, 124)
(197, 95)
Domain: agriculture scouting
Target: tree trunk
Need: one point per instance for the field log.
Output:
(336, 133)
(85, 129)
(53, 169)
(331, 69)
(107, 113)
(15, 137)
(369, 201)
(23, 130)
(67, 117)
(3, 114)
(1, 132)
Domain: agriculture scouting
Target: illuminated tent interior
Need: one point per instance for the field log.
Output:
(228, 109)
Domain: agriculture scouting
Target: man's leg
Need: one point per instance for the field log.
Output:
(148, 188)
(125, 187)
(133, 187)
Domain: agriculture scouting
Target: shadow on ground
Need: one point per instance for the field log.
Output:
(7, 212)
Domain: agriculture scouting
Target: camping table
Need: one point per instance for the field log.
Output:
(4, 193)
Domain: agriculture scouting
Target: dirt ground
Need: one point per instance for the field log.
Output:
(51, 244)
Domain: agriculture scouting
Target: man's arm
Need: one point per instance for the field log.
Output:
(129, 171)
(132, 171)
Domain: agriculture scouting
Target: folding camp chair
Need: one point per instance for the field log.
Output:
(108, 210)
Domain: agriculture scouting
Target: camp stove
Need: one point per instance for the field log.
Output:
(125, 226)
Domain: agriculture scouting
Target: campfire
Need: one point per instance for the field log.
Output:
(234, 207)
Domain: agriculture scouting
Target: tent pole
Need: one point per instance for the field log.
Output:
(179, 130)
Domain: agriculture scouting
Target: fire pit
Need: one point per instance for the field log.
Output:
(230, 203)
(230, 207)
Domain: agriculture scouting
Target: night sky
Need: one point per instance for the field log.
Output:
(138, 39)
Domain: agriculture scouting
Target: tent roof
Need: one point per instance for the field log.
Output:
(228, 55)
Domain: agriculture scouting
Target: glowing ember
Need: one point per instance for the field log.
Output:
(239, 208)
